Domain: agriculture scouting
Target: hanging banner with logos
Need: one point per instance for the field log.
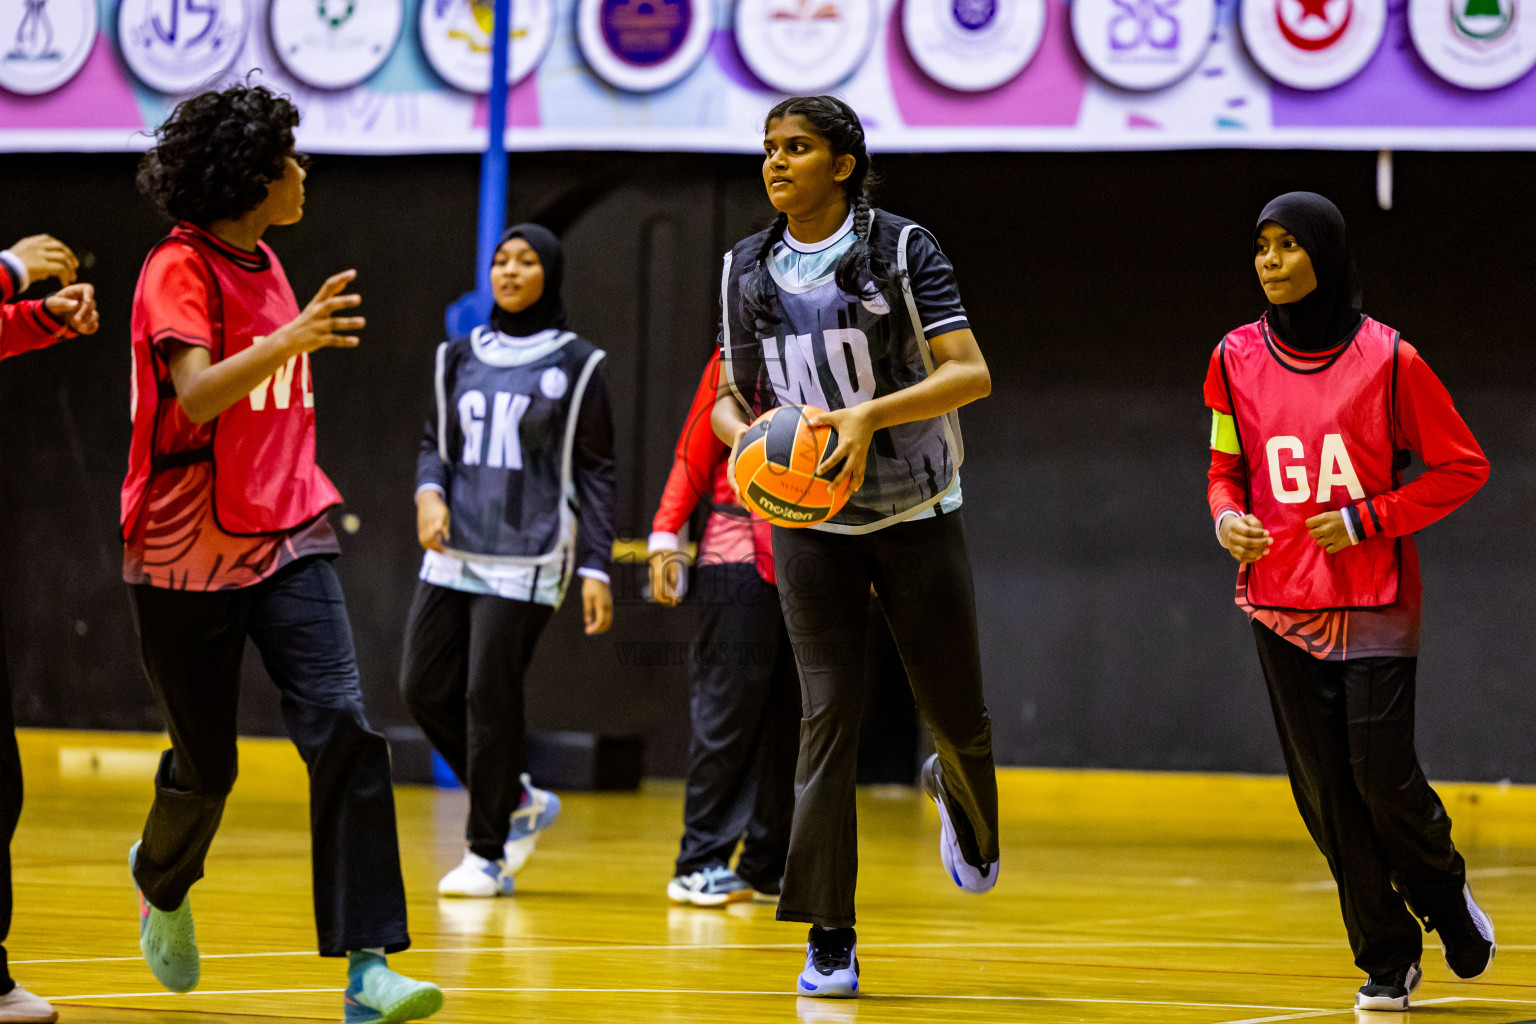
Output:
(410, 76)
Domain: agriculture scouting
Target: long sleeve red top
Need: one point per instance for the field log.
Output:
(698, 473)
(25, 326)
(1429, 425)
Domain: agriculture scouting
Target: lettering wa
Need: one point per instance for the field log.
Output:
(280, 385)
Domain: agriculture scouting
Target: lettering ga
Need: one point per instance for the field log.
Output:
(1288, 479)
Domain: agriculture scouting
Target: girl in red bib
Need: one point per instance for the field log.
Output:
(226, 538)
(1316, 410)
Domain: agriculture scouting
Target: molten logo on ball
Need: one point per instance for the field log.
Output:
(776, 464)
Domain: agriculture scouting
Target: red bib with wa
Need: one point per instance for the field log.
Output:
(265, 479)
(1315, 440)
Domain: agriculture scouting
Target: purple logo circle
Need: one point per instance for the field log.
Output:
(974, 14)
(647, 32)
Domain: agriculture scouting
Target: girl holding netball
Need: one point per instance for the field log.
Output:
(856, 311)
(1315, 410)
(226, 537)
(514, 498)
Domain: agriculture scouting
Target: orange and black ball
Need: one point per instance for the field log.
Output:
(776, 462)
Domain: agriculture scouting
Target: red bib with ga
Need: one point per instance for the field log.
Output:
(265, 479)
(1315, 440)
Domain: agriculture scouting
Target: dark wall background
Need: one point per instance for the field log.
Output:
(1098, 284)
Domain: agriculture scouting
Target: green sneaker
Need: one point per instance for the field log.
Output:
(378, 995)
(166, 939)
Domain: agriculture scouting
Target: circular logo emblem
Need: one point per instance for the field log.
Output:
(972, 45)
(174, 46)
(805, 46)
(456, 37)
(1476, 44)
(1313, 44)
(1143, 44)
(334, 44)
(553, 382)
(44, 43)
(643, 45)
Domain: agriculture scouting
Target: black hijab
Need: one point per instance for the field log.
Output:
(1331, 312)
(549, 310)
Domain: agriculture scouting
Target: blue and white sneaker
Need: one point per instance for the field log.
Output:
(831, 964)
(476, 878)
(712, 887)
(536, 812)
(966, 875)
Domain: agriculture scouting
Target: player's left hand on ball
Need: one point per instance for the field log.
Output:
(1329, 532)
(730, 465)
(596, 606)
(77, 306)
(854, 433)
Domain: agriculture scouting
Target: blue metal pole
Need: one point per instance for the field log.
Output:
(493, 165)
(471, 309)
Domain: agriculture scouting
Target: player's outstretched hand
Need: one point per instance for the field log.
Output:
(46, 256)
(1329, 531)
(854, 432)
(77, 306)
(317, 325)
(1245, 537)
(596, 605)
(431, 520)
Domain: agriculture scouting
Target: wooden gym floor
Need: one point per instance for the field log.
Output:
(1152, 898)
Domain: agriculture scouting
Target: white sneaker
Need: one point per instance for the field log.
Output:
(476, 878)
(712, 887)
(18, 1006)
(537, 811)
(964, 874)
(1390, 991)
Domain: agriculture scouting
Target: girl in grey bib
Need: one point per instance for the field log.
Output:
(856, 311)
(514, 498)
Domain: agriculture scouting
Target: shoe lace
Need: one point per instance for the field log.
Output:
(830, 954)
(716, 874)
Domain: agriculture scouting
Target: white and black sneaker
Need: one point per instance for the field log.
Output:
(1389, 990)
(831, 964)
(966, 875)
(1466, 937)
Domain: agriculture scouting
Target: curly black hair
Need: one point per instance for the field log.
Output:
(216, 154)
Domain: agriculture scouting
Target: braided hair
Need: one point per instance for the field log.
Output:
(835, 121)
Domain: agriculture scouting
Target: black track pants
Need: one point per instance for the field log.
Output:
(10, 808)
(744, 707)
(921, 573)
(1347, 731)
(462, 678)
(192, 644)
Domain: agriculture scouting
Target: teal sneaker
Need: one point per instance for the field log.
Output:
(167, 940)
(377, 995)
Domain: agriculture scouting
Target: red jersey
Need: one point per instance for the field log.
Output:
(1424, 421)
(174, 535)
(732, 534)
(1318, 441)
